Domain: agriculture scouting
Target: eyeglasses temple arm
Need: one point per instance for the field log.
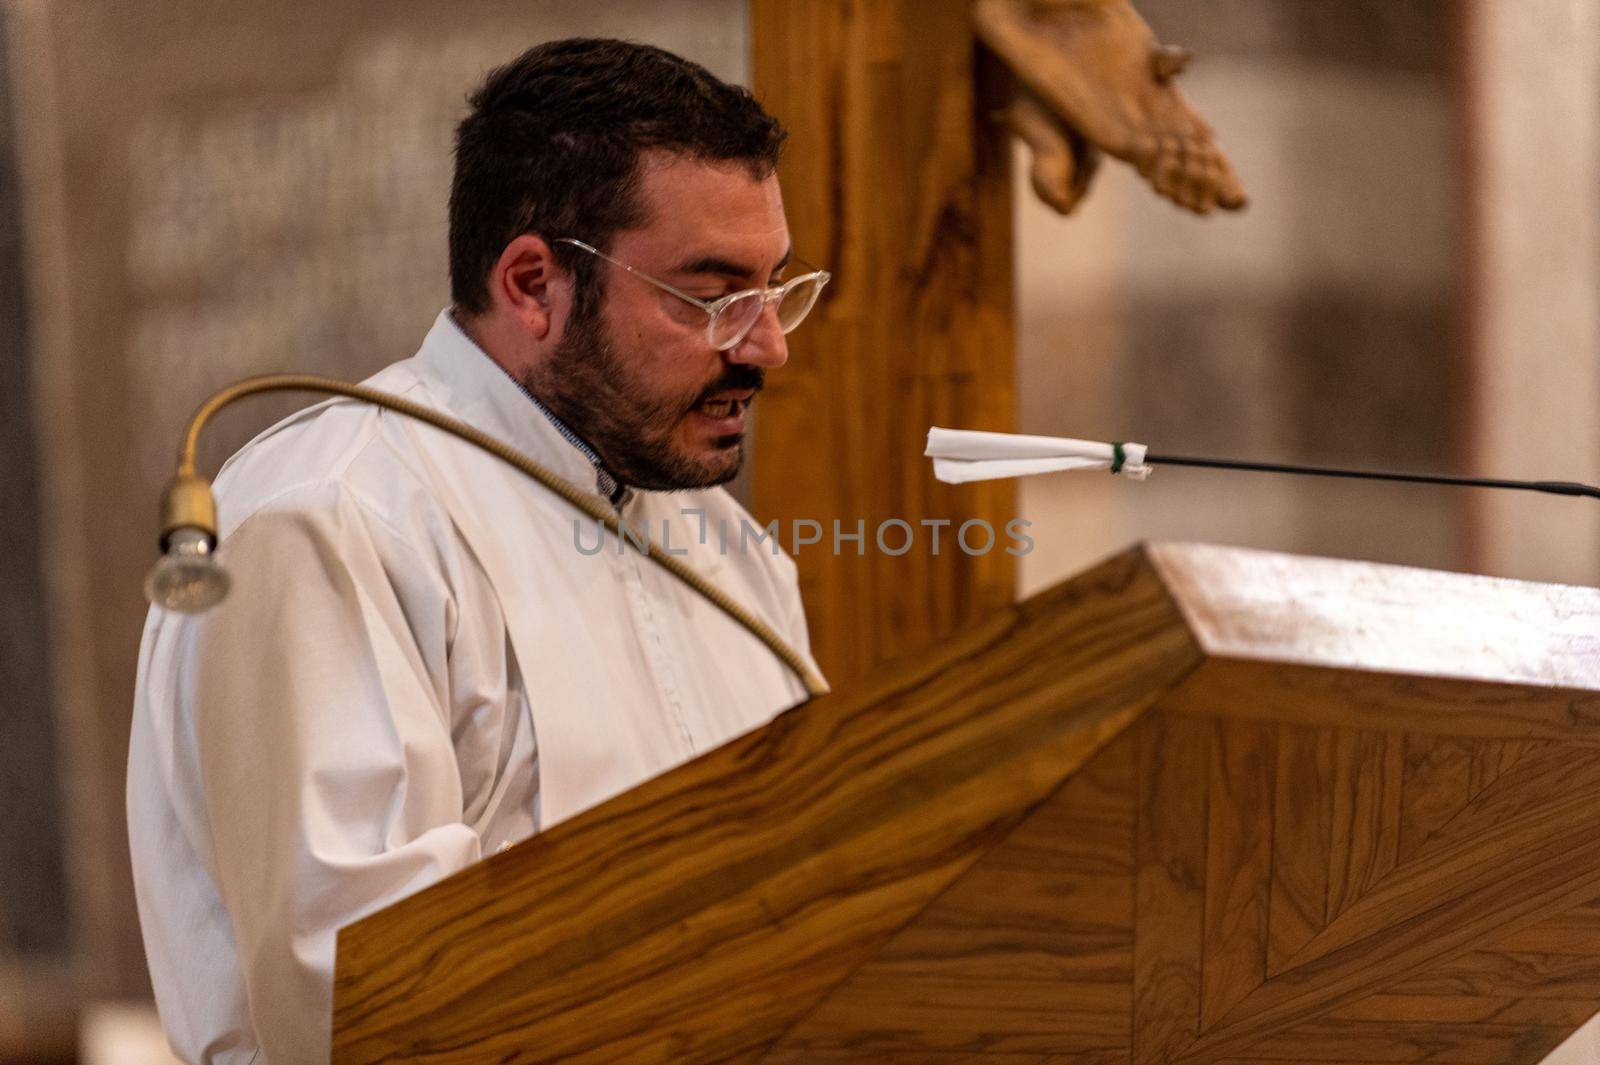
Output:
(709, 308)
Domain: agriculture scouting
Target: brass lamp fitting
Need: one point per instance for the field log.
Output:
(187, 503)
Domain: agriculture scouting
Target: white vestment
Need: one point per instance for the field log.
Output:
(423, 658)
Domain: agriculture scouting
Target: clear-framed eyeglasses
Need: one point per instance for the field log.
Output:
(734, 315)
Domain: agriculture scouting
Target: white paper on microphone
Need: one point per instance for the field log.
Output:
(961, 455)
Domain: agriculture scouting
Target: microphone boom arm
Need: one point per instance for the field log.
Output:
(1563, 488)
(189, 509)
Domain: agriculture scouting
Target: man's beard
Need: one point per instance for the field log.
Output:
(586, 383)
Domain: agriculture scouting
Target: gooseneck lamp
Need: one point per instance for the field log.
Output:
(187, 578)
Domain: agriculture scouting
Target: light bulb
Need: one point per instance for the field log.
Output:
(187, 577)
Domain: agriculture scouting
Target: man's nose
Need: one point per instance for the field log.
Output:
(765, 344)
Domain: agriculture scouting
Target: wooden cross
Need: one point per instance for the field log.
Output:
(897, 178)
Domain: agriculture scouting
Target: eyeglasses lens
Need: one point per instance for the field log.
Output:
(738, 317)
(735, 321)
(797, 303)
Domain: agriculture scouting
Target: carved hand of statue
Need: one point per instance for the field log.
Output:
(1094, 78)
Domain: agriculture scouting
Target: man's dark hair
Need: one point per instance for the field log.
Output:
(552, 146)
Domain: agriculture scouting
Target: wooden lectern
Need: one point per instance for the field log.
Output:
(1199, 804)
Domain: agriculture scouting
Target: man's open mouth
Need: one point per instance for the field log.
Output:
(722, 408)
(725, 404)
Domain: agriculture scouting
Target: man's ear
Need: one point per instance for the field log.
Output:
(530, 286)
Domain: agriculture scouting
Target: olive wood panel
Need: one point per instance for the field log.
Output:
(1377, 1042)
(1319, 697)
(1170, 883)
(1302, 838)
(805, 1056)
(1435, 785)
(1368, 772)
(1519, 853)
(1545, 1009)
(1504, 971)
(1565, 933)
(1238, 864)
(1490, 758)
(1031, 950)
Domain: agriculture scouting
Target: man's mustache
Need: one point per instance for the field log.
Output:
(735, 379)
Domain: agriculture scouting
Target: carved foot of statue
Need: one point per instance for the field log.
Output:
(1095, 70)
(1064, 162)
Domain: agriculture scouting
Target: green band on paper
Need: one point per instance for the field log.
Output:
(1118, 457)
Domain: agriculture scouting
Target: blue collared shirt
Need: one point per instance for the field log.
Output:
(605, 482)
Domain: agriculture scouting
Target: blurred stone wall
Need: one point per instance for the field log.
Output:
(211, 189)
(35, 936)
(1323, 325)
(1534, 308)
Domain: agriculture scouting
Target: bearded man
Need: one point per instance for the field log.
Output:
(417, 666)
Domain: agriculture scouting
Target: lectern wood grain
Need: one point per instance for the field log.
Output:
(1134, 820)
(696, 917)
(1302, 835)
(1170, 876)
(1238, 880)
(1034, 947)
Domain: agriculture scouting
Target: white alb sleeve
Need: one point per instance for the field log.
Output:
(322, 726)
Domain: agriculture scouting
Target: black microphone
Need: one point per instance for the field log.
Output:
(1560, 488)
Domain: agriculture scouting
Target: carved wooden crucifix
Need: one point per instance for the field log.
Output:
(897, 178)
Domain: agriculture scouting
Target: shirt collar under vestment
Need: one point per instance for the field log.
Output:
(477, 384)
